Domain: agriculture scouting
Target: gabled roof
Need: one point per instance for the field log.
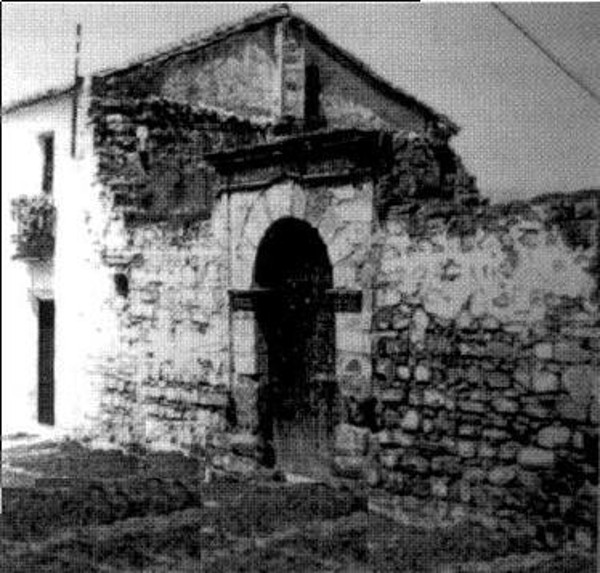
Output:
(378, 81)
(254, 21)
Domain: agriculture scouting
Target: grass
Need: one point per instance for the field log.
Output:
(232, 527)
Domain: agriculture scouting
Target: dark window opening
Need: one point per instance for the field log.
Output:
(447, 168)
(122, 285)
(204, 185)
(47, 143)
(312, 97)
(179, 189)
(146, 201)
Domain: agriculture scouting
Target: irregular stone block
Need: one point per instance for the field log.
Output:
(544, 382)
(473, 407)
(395, 483)
(415, 397)
(486, 451)
(390, 459)
(245, 444)
(358, 387)
(449, 465)
(479, 396)
(569, 409)
(403, 372)
(393, 395)
(553, 436)
(490, 322)
(530, 480)
(532, 457)
(495, 435)
(448, 443)
(415, 463)
(474, 376)
(502, 475)
(508, 451)
(420, 322)
(543, 350)
(467, 430)
(498, 380)
(522, 377)
(349, 466)
(581, 382)
(397, 438)
(427, 426)
(433, 398)
(537, 411)
(466, 449)
(411, 421)
(384, 367)
(578, 440)
(505, 406)
(474, 475)
(382, 318)
(570, 352)
(439, 345)
(464, 491)
(350, 440)
(422, 373)
(421, 488)
(584, 538)
(213, 399)
(391, 418)
(439, 488)
(236, 465)
(501, 350)
(465, 321)
(469, 349)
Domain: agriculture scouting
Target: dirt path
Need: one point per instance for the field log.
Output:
(110, 512)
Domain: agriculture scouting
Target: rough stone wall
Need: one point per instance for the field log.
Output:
(486, 365)
(151, 152)
(238, 74)
(163, 247)
(166, 386)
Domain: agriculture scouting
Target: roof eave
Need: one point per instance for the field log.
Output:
(49, 94)
(274, 14)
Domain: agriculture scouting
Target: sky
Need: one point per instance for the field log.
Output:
(526, 127)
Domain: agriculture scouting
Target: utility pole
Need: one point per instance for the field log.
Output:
(76, 90)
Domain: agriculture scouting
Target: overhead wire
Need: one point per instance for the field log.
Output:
(572, 76)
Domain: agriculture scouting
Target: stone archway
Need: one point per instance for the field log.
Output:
(295, 339)
(339, 221)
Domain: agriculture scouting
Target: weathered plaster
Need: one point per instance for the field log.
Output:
(237, 74)
(348, 100)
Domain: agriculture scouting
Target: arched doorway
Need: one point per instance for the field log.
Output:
(296, 346)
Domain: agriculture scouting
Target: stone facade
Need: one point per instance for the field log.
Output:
(465, 337)
(468, 380)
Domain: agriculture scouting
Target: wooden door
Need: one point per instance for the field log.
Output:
(46, 362)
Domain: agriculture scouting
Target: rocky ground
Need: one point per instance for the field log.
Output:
(109, 512)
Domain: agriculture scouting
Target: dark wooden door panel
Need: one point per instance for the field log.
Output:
(46, 362)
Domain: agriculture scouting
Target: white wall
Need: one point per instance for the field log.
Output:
(24, 282)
